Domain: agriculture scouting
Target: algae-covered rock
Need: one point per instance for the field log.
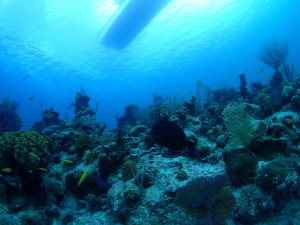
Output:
(222, 206)
(159, 113)
(273, 174)
(83, 123)
(130, 116)
(265, 103)
(50, 130)
(50, 117)
(132, 193)
(268, 148)
(117, 201)
(84, 141)
(189, 107)
(35, 219)
(201, 189)
(191, 139)
(181, 175)
(83, 182)
(81, 101)
(17, 203)
(199, 211)
(287, 94)
(240, 166)
(222, 141)
(295, 100)
(129, 170)
(252, 204)
(137, 130)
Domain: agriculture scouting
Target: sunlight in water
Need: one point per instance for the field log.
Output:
(106, 8)
(203, 7)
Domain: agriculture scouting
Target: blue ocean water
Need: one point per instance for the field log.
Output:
(56, 45)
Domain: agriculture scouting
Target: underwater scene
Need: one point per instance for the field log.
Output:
(149, 112)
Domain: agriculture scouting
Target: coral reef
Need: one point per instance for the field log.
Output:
(219, 160)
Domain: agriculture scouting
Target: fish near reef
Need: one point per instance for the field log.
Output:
(34, 156)
(6, 170)
(260, 70)
(67, 161)
(169, 134)
(83, 176)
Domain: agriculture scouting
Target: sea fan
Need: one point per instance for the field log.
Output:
(239, 124)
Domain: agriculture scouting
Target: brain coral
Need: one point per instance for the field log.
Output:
(24, 151)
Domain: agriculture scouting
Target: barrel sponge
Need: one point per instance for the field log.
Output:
(26, 150)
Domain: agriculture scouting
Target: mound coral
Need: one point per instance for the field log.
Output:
(24, 151)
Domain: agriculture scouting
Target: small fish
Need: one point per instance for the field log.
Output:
(32, 97)
(26, 124)
(34, 156)
(30, 171)
(269, 77)
(1, 175)
(24, 78)
(224, 81)
(7, 170)
(43, 169)
(67, 161)
(14, 181)
(83, 176)
(260, 70)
